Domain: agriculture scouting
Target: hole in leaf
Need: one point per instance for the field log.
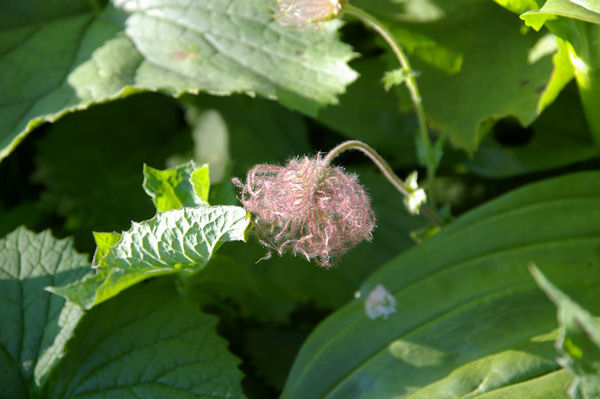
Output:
(510, 133)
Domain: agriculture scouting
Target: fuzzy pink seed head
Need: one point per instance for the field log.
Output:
(307, 208)
(299, 13)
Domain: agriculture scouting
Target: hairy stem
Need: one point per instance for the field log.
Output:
(411, 84)
(383, 166)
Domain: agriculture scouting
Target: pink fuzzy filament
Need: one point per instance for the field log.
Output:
(307, 208)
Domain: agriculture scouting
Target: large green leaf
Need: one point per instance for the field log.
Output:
(180, 240)
(148, 342)
(460, 315)
(64, 57)
(584, 10)
(503, 71)
(579, 341)
(35, 323)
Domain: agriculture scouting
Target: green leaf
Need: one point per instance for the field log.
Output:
(180, 240)
(25, 214)
(584, 10)
(396, 77)
(498, 77)
(579, 340)
(184, 185)
(35, 324)
(148, 342)
(559, 137)
(104, 243)
(519, 6)
(272, 351)
(90, 162)
(460, 315)
(562, 73)
(63, 58)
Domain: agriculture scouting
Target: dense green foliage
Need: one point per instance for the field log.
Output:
(129, 268)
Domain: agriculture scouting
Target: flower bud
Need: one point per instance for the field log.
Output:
(299, 13)
(307, 208)
(416, 197)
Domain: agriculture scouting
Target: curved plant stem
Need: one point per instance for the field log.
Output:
(383, 166)
(411, 83)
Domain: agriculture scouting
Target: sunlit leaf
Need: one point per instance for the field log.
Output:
(180, 240)
(584, 10)
(184, 185)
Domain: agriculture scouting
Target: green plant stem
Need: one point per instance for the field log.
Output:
(411, 84)
(383, 166)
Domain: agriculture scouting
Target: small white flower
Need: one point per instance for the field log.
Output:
(299, 13)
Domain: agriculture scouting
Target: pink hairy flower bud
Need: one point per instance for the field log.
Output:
(299, 13)
(307, 208)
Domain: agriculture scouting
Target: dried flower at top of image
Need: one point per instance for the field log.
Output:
(307, 208)
(299, 13)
